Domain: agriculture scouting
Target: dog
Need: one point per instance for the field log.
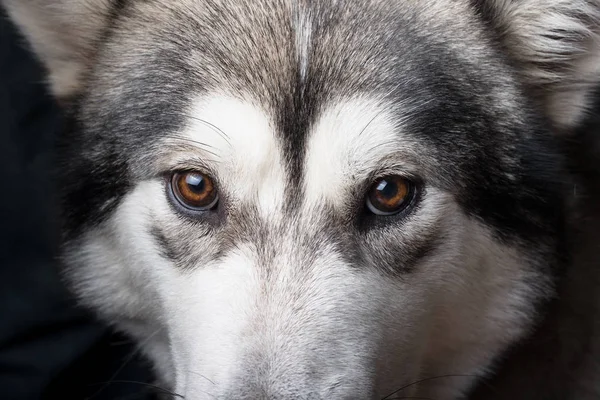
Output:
(333, 199)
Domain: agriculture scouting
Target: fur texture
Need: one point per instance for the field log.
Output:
(290, 288)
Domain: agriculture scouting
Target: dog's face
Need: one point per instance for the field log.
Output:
(282, 199)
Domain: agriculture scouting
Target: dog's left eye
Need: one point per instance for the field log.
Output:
(194, 190)
(390, 195)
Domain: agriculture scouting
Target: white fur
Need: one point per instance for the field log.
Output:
(227, 326)
(303, 29)
(464, 305)
(247, 160)
(352, 138)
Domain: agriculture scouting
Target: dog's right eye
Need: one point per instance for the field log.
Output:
(194, 190)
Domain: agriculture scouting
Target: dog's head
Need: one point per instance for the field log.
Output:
(302, 200)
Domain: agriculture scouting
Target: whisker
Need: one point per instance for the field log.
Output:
(207, 124)
(214, 127)
(202, 376)
(388, 397)
(127, 360)
(202, 145)
(370, 122)
(187, 139)
(148, 385)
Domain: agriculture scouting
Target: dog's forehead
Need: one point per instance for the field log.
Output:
(317, 73)
(239, 140)
(291, 55)
(296, 61)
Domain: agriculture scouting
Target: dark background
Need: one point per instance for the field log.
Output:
(49, 349)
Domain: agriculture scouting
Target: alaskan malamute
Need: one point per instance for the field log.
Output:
(323, 199)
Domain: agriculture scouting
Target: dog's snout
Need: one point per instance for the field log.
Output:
(300, 331)
(291, 385)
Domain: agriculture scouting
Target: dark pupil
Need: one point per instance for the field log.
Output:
(195, 183)
(387, 189)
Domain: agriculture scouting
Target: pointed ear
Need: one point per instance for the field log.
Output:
(63, 34)
(556, 46)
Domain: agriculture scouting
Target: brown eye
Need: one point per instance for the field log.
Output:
(389, 195)
(194, 190)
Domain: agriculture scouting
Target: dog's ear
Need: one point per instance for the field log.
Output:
(556, 46)
(64, 34)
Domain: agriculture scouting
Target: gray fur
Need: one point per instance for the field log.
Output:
(290, 289)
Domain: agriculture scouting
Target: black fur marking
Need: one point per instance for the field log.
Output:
(528, 206)
(294, 119)
(167, 249)
(99, 151)
(485, 10)
(90, 191)
(385, 250)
